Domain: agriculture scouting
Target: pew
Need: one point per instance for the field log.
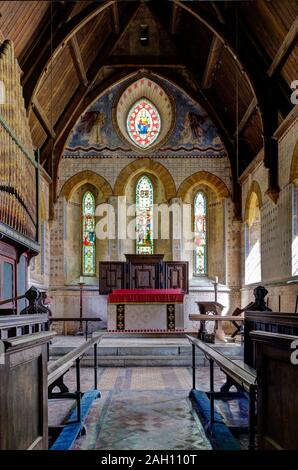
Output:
(277, 404)
(265, 374)
(64, 436)
(18, 325)
(272, 322)
(23, 392)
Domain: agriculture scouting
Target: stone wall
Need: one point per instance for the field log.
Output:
(276, 227)
(65, 234)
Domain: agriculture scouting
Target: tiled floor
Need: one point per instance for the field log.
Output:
(142, 408)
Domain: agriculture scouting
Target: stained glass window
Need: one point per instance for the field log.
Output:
(200, 234)
(88, 234)
(143, 123)
(144, 216)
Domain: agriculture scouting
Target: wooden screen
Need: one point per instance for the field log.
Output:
(176, 275)
(111, 276)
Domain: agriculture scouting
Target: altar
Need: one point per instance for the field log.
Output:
(146, 310)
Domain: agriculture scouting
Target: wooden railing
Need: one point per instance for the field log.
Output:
(19, 325)
(57, 370)
(238, 373)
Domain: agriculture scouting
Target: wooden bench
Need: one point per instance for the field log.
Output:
(23, 392)
(74, 426)
(238, 372)
(277, 406)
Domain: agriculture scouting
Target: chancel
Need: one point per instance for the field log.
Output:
(148, 225)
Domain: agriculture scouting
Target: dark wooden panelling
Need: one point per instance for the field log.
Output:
(277, 393)
(23, 393)
(111, 276)
(272, 322)
(176, 275)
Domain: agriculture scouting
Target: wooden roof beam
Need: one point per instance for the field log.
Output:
(115, 17)
(43, 119)
(285, 49)
(174, 19)
(212, 61)
(51, 42)
(78, 61)
(252, 106)
(69, 115)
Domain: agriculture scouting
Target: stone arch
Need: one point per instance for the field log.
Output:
(254, 190)
(83, 177)
(150, 166)
(294, 166)
(207, 178)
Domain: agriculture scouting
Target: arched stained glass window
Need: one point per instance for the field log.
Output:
(144, 216)
(200, 234)
(88, 234)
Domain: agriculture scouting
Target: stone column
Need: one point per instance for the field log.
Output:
(176, 229)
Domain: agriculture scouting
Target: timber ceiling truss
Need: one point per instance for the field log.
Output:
(231, 48)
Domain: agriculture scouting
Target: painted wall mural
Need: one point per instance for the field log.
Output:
(193, 134)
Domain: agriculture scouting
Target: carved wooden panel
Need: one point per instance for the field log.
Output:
(111, 276)
(176, 275)
(144, 276)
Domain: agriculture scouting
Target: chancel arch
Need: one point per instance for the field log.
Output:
(252, 248)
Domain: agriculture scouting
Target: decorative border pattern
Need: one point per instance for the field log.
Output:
(171, 316)
(120, 317)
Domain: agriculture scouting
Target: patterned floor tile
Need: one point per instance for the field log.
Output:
(145, 408)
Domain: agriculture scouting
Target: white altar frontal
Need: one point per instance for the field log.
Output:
(146, 311)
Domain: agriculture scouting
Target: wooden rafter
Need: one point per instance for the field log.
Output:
(174, 19)
(115, 18)
(57, 33)
(285, 49)
(246, 116)
(212, 61)
(69, 115)
(78, 61)
(43, 119)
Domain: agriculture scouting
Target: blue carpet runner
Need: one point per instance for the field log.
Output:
(219, 434)
(70, 432)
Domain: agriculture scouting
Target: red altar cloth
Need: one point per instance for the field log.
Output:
(146, 296)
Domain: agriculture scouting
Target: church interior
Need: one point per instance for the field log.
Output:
(149, 225)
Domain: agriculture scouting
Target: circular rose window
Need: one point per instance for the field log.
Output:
(143, 123)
